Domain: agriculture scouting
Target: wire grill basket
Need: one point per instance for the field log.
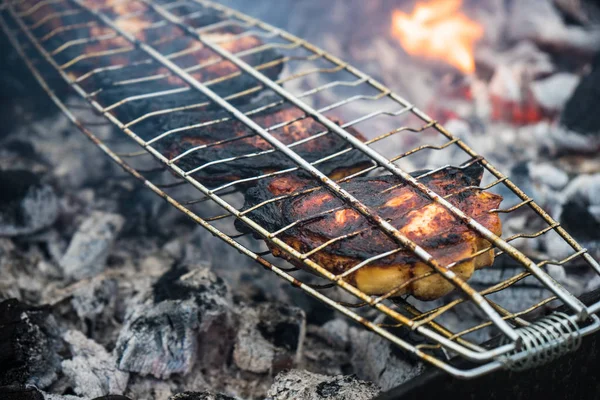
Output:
(319, 86)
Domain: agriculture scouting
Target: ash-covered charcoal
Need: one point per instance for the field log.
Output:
(579, 214)
(580, 114)
(31, 344)
(200, 396)
(89, 248)
(26, 204)
(304, 385)
(326, 348)
(241, 140)
(270, 338)
(148, 388)
(92, 371)
(539, 21)
(185, 317)
(374, 359)
(92, 306)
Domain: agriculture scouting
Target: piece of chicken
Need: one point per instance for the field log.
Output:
(428, 224)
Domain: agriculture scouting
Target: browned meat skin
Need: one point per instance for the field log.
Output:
(251, 143)
(428, 224)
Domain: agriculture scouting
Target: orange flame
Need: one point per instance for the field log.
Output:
(438, 30)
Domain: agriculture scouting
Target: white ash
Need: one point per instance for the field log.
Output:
(336, 332)
(75, 163)
(50, 396)
(87, 253)
(375, 359)
(200, 396)
(553, 92)
(303, 385)
(269, 338)
(148, 388)
(185, 308)
(327, 348)
(92, 371)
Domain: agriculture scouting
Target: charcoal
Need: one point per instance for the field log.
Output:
(26, 204)
(185, 315)
(200, 396)
(540, 21)
(92, 371)
(30, 343)
(374, 359)
(304, 385)
(326, 348)
(580, 113)
(32, 393)
(89, 248)
(20, 154)
(270, 338)
(92, 301)
(148, 388)
(585, 12)
(18, 392)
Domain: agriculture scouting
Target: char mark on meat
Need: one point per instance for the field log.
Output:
(430, 225)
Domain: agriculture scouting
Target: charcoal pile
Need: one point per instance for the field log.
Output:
(108, 293)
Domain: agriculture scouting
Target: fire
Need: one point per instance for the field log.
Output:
(437, 29)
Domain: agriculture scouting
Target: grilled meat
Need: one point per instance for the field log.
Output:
(121, 70)
(118, 73)
(428, 224)
(322, 144)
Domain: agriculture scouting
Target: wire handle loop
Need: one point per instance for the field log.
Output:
(544, 341)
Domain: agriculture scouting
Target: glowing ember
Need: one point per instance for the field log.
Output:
(436, 29)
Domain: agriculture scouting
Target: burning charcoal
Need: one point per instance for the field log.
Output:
(26, 204)
(304, 385)
(270, 338)
(91, 244)
(92, 371)
(185, 315)
(30, 341)
(200, 396)
(374, 359)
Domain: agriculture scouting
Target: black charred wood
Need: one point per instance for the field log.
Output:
(581, 113)
(29, 345)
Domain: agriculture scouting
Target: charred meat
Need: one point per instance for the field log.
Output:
(325, 217)
(118, 73)
(305, 136)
